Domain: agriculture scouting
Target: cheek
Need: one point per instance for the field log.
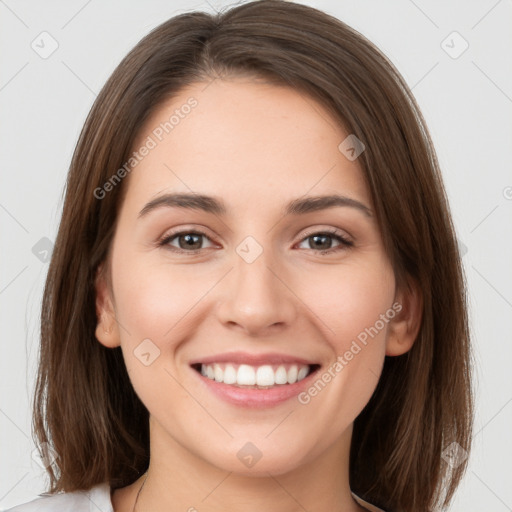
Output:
(350, 303)
(357, 311)
(153, 300)
(153, 305)
(357, 296)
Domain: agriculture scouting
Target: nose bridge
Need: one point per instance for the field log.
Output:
(256, 298)
(252, 274)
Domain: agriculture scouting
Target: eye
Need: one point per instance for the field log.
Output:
(191, 241)
(322, 241)
(188, 241)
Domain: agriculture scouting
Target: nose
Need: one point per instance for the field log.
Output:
(256, 297)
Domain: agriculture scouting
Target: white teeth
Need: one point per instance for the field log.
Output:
(302, 373)
(265, 376)
(229, 375)
(292, 374)
(281, 376)
(218, 373)
(245, 375)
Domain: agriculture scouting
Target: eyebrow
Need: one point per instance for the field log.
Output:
(216, 206)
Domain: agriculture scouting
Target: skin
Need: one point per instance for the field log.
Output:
(256, 146)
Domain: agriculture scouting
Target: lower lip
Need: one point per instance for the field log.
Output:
(253, 397)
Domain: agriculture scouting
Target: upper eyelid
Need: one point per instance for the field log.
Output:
(329, 231)
(200, 231)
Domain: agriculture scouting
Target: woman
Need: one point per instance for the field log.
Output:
(255, 298)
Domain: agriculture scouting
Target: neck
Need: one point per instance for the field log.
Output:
(178, 480)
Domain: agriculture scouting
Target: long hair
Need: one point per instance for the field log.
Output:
(85, 407)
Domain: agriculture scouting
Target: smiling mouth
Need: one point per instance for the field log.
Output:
(256, 377)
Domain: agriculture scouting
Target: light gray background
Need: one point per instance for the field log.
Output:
(467, 102)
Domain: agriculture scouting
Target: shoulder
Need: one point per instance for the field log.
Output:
(94, 499)
(366, 505)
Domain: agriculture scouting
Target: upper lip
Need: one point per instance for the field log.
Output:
(252, 359)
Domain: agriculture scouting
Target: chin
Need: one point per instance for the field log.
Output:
(260, 459)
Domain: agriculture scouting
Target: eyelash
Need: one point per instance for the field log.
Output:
(344, 242)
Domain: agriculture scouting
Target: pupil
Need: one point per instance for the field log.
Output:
(324, 238)
(190, 240)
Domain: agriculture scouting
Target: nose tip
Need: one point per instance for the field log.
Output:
(254, 296)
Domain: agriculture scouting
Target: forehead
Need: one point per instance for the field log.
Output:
(244, 139)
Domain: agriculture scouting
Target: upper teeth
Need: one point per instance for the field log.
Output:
(246, 375)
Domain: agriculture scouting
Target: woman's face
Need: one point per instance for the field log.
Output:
(223, 261)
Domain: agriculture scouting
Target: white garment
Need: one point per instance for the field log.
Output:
(96, 499)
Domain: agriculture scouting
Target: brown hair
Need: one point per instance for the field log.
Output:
(85, 406)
